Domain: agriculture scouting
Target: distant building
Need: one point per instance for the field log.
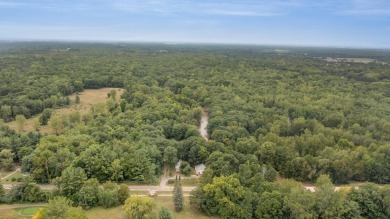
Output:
(177, 166)
(199, 169)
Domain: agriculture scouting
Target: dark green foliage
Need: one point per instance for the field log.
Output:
(45, 116)
(164, 213)
(178, 199)
(123, 193)
(26, 191)
(109, 195)
(88, 196)
(185, 168)
(77, 99)
(372, 200)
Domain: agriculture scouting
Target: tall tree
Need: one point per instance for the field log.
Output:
(56, 124)
(178, 199)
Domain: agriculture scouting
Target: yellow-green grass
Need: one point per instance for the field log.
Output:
(88, 98)
(28, 211)
(138, 192)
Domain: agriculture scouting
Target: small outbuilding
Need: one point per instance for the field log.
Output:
(199, 169)
(177, 167)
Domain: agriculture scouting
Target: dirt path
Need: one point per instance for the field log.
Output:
(5, 177)
(203, 124)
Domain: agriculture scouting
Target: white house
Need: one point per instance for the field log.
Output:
(199, 169)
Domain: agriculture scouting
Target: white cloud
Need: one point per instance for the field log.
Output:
(230, 7)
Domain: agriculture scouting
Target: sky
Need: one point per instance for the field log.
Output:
(337, 23)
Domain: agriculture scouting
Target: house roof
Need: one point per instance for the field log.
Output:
(200, 168)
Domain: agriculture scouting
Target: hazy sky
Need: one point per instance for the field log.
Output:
(344, 23)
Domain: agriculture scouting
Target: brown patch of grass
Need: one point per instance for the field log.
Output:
(88, 98)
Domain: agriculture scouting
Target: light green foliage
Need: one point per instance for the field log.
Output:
(61, 208)
(6, 159)
(139, 207)
(37, 124)
(20, 120)
(56, 124)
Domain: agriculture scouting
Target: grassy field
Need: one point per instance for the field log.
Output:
(118, 212)
(112, 213)
(87, 99)
(11, 214)
(29, 211)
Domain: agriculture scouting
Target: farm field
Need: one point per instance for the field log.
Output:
(88, 98)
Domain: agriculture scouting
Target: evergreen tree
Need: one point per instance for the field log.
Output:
(178, 198)
(77, 100)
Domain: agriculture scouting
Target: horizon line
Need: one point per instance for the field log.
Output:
(189, 43)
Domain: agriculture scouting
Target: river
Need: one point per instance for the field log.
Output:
(203, 124)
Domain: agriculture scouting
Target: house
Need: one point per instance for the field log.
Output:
(177, 167)
(199, 169)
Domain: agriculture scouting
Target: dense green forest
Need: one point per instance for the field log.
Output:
(272, 112)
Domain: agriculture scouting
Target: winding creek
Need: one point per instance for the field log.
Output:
(203, 124)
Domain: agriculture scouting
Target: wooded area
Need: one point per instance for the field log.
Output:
(272, 114)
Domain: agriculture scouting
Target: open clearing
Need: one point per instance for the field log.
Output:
(88, 98)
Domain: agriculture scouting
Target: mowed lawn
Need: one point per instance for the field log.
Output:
(88, 98)
(119, 212)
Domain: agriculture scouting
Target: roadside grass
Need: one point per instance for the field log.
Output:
(88, 98)
(138, 192)
(113, 213)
